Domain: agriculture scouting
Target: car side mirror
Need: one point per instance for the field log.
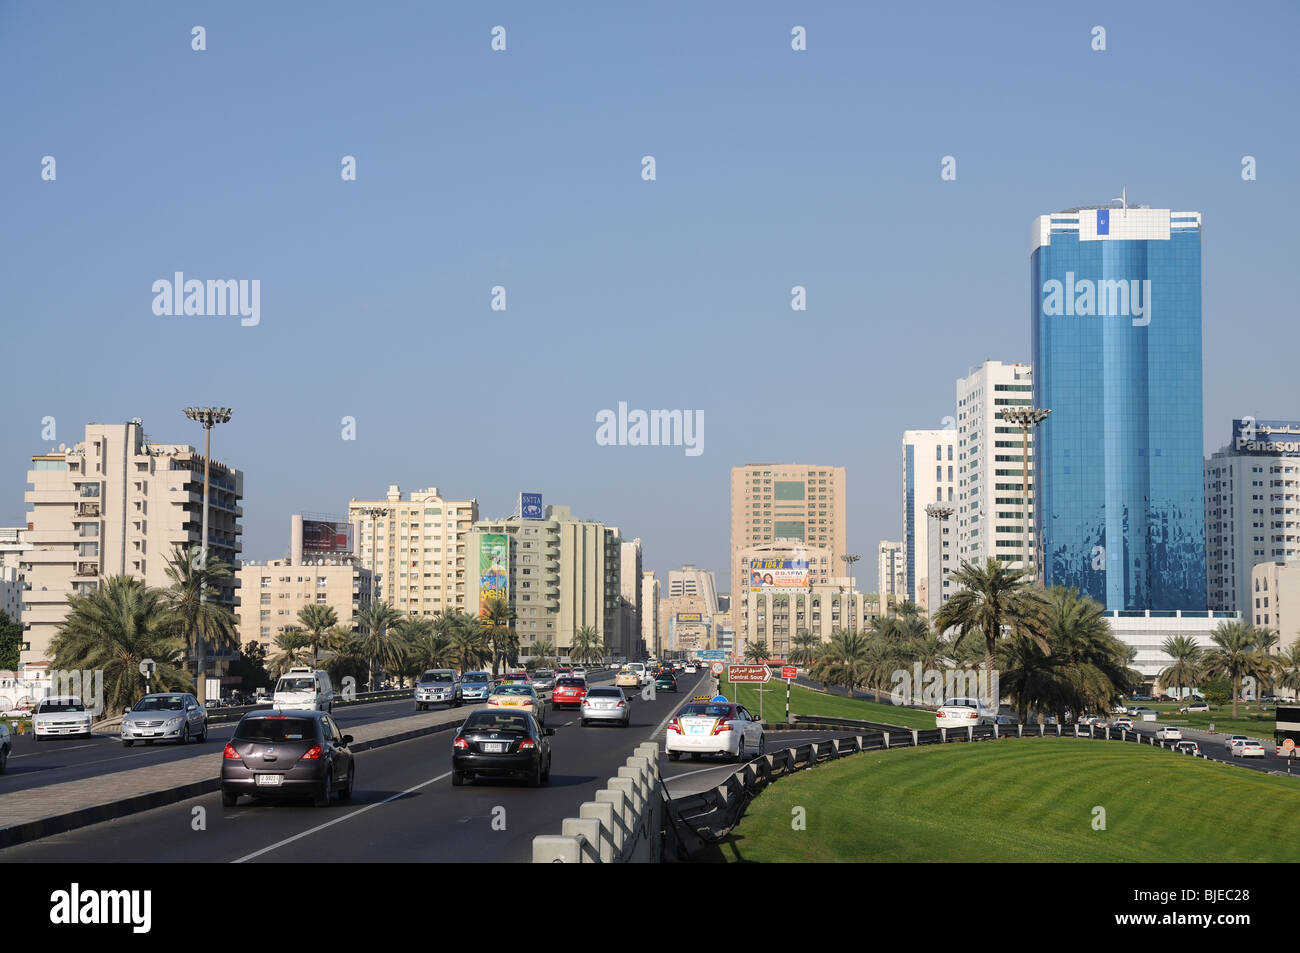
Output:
(548, 731)
(126, 710)
(191, 707)
(347, 739)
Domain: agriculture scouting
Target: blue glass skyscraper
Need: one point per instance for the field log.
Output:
(1118, 466)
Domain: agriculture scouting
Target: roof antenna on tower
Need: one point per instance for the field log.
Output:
(1123, 198)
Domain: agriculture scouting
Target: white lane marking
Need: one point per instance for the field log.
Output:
(732, 767)
(667, 718)
(339, 820)
(32, 754)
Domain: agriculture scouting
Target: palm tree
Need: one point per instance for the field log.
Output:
(1235, 656)
(844, 660)
(1271, 664)
(205, 625)
(348, 658)
(113, 628)
(988, 600)
(1187, 661)
(805, 646)
(468, 641)
(426, 647)
(587, 645)
(316, 621)
(756, 651)
(1288, 667)
(293, 649)
(497, 616)
(383, 648)
(543, 653)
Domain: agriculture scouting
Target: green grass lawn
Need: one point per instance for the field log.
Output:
(1020, 801)
(805, 701)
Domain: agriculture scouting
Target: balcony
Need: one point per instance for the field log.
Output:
(88, 508)
(87, 569)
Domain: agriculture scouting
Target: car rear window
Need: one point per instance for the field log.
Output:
(272, 728)
(707, 711)
(569, 682)
(605, 693)
(514, 690)
(495, 721)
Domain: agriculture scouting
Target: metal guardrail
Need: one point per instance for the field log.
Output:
(624, 824)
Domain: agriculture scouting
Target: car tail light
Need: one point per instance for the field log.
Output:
(973, 715)
(312, 753)
(230, 752)
(673, 725)
(528, 744)
(721, 726)
(940, 714)
(624, 705)
(460, 743)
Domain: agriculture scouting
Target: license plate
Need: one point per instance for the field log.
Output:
(697, 729)
(269, 780)
(491, 748)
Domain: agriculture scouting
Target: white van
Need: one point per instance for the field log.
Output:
(304, 689)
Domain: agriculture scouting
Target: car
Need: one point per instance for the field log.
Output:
(435, 686)
(579, 672)
(19, 712)
(501, 742)
(1141, 710)
(627, 678)
(304, 689)
(61, 716)
(724, 728)
(1119, 710)
(961, 712)
(1193, 707)
(1187, 747)
(165, 716)
(1165, 698)
(642, 673)
(1124, 724)
(544, 680)
(1231, 740)
(1168, 733)
(602, 703)
(569, 691)
(516, 696)
(287, 753)
(1248, 749)
(518, 678)
(690, 669)
(665, 682)
(6, 745)
(474, 687)
(1143, 698)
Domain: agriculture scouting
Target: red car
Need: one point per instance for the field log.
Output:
(569, 691)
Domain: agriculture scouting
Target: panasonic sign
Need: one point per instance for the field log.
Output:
(1271, 438)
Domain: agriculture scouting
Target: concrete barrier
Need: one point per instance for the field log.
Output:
(624, 824)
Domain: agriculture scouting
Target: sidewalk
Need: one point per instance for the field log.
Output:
(40, 812)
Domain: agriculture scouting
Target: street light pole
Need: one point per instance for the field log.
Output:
(208, 417)
(849, 560)
(374, 512)
(1026, 418)
(934, 580)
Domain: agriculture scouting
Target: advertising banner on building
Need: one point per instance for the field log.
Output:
(530, 506)
(777, 573)
(493, 567)
(326, 536)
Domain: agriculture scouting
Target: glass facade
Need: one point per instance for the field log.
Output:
(1116, 326)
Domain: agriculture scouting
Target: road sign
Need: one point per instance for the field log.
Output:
(711, 654)
(1288, 745)
(716, 668)
(749, 673)
(789, 671)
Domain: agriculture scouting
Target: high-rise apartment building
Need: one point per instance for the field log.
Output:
(1275, 594)
(417, 549)
(274, 592)
(891, 573)
(631, 604)
(689, 581)
(993, 513)
(1116, 327)
(558, 573)
(116, 504)
(929, 537)
(800, 504)
(649, 613)
(1252, 508)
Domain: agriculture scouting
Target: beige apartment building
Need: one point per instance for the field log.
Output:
(774, 501)
(273, 592)
(650, 613)
(559, 574)
(776, 616)
(416, 549)
(1276, 599)
(685, 623)
(117, 504)
(929, 510)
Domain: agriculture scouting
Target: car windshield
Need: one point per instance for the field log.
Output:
(268, 729)
(706, 711)
(160, 703)
(61, 704)
(514, 690)
(474, 677)
(436, 677)
(495, 721)
(296, 685)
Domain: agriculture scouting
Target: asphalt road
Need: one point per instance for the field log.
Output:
(404, 807)
(34, 765)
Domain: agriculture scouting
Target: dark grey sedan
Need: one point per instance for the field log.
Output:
(499, 742)
(279, 754)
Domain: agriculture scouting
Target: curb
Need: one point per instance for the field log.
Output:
(138, 803)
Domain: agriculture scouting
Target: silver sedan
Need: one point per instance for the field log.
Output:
(166, 716)
(605, 703)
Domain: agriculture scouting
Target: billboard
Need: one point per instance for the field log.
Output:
(326, 536)
(777, 573)
(493, 567)
(690, 617)
(530, 506)
(1266, 437)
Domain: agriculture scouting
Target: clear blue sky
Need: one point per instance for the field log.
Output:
(522, 168)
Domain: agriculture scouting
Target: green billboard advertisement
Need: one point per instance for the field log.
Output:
(493, 567)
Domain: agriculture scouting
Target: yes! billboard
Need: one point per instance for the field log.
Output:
(493, 567)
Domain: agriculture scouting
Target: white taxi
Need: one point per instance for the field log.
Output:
(961, 712)
(626, 678)
(709, 727)
(517, 696)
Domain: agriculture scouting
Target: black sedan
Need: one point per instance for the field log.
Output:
(503, 744)
(275, 754)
